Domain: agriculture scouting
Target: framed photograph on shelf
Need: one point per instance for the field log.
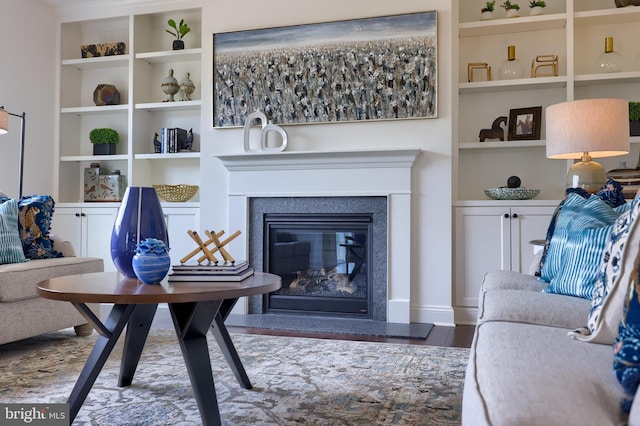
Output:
(380, 68)
(524, 124)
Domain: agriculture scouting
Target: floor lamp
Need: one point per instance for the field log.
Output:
(4, 128)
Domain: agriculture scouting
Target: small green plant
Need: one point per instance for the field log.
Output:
(104, 135)
(537, 4)
(178, 31)
(634, 111)
(489, 6)
(508, 6)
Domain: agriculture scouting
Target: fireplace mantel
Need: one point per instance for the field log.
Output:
(303, 160)
(384, 172)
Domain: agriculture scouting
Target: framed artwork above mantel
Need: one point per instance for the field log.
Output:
(382, 68)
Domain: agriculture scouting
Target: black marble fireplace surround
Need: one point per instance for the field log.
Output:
(373, 207)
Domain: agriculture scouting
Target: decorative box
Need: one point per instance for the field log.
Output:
(103, 49)
(103, 185)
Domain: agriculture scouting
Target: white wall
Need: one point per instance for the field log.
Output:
(431, 295)
(27, 84)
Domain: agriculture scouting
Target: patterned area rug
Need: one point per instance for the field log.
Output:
(297, 381)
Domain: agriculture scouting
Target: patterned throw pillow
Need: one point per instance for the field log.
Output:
(611, 193)
(10, 245)
(582, 258)
(626, 348)
(34, 221)
(576, 215)
(615, 271)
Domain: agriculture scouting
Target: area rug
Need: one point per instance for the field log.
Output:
(297, 381)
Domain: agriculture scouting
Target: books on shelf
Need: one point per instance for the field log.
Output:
(222, 272)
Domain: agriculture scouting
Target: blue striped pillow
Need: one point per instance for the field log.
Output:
(10, 243)
(571, 208)
(582, 258)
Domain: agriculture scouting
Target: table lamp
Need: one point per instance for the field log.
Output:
(586, 129)
(4, 128)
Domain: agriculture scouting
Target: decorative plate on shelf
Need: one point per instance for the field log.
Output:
(505, 193)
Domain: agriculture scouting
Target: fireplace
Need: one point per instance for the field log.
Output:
(323, 261)
(343, 176)
(331, 253)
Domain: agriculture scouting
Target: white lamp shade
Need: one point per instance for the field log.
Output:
(4, 121)
(597, 126)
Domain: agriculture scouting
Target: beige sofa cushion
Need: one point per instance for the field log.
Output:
(520, 374)
(19, 280)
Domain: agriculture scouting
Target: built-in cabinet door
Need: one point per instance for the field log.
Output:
(88, 229)
(179, 221)
(482, 244)
(494, 238)
(97, 226)
(527, 224)
(66, 223)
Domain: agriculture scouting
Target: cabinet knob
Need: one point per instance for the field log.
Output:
(515, 215)
(83, 214)
(77, 214)
(506, 215)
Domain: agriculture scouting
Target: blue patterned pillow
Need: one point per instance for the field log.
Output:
(568, 209)
(582, 258)
(626, 348)
(612, 193)
(34, 221)
(10, 245)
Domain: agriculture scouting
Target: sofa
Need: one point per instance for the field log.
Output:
(23, 313)
(541, 356)
(29, 254)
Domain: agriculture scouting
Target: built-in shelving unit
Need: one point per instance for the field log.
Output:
(572, 29)
(143, 109)
(491, 234)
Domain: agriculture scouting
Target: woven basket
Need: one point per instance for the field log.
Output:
(176, 193)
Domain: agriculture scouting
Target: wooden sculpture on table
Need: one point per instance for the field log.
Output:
(208, 253)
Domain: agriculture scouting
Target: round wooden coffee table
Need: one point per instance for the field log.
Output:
(196, 308)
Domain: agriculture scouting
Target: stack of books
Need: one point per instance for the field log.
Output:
(237, 271)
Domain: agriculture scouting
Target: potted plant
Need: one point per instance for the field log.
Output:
(487, 10)
(511, 9)
(104, 141)
(536, 7)
(178, 31)
(634, 118)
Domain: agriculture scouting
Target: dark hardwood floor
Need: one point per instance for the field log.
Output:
(459, 336)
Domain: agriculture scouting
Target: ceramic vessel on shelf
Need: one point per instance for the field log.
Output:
(536, 10)
(505, 193)
(511, 68)
(485, 16)
(512, 13)
(609, 60)
(187, 87)
(170, 86)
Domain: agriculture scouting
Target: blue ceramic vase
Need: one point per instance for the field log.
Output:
(139, 217)
(151, 268)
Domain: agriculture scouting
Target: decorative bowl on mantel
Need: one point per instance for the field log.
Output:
(506, 193)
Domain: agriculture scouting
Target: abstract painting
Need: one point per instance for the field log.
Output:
(382, 68)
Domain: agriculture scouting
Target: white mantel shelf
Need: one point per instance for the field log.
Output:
(305, 160)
